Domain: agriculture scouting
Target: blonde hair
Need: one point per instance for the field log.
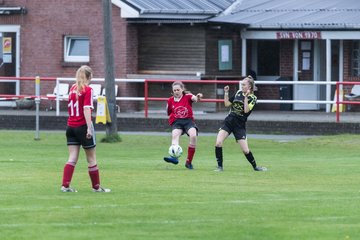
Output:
(83, 77)
(251, 81)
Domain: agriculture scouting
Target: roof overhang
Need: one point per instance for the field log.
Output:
(302, 16)
(129, 11)
(12, 10)
(126, 10)
(292, 26)
(166, 21)
(268, 25)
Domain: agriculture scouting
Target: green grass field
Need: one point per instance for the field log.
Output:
(311, 191)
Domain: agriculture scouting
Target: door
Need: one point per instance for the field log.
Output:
(9, 62)
(308, 67)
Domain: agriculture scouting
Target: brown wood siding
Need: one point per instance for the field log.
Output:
(212, 63)
(171, 49)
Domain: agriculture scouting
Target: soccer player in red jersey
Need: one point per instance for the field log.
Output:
(241, 105)
(80, 131)
(181, 119)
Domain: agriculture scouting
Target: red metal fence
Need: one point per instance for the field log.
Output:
(338, 102)
(148, 98)
(19, 96)
(146, 90)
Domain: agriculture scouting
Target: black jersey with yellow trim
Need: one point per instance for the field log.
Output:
(237, 105)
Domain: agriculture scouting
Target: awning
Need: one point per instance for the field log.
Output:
(12, 10)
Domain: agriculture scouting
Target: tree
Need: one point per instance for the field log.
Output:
(111, 128)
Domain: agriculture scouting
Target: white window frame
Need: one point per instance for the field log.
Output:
(67, 43)
(355, 59)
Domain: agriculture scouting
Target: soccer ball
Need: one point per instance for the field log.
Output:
(175, 151)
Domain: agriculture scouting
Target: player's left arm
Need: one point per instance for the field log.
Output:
(88, 107)
(249, 102)
(197, 97)
(89, 124)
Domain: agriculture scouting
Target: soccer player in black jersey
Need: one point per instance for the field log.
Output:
(241, 106)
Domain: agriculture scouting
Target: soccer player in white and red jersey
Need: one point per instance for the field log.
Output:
(181, 119)
(80, 131)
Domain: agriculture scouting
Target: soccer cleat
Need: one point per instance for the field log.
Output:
(260, 169)
(219, 169)
(67, 189)
(100, 189)
(172, 160)
(189, 166)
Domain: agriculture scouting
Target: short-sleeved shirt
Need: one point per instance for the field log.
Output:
(76, 105)
(237, 105)
(235, 122)
(180, 109)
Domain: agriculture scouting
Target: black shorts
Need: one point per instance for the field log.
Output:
(234, 125)
(185, 124)
(77, 136)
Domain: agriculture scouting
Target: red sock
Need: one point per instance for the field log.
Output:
(94, 176)
(191, 152)
(68, 173)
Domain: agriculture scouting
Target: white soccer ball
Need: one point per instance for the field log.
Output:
(175, 151)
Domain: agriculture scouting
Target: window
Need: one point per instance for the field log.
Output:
(355, 59)
(76, 49)
(306, 55)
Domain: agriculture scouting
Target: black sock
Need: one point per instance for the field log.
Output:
(251, 159)
(219, 156)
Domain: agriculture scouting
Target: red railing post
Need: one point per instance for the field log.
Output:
(337, 103)
(146, 93)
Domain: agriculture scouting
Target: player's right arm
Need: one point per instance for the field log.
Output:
(90, 128)
(227, 103)
(168, 108)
